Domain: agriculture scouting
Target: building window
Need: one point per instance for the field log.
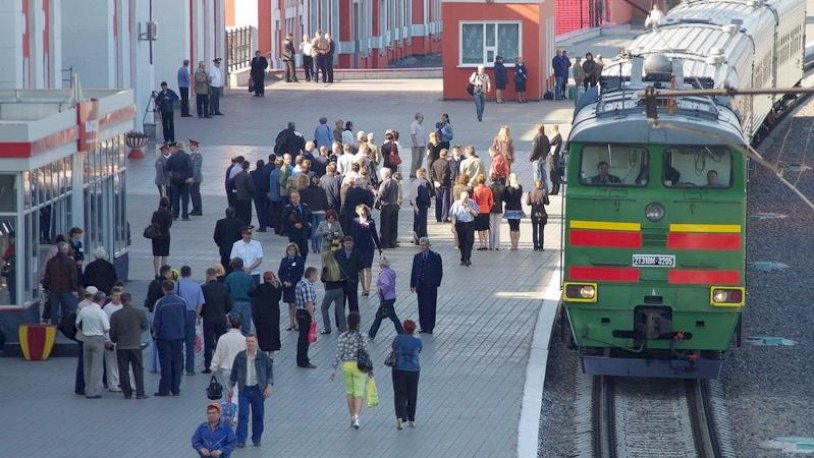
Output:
(480, 42)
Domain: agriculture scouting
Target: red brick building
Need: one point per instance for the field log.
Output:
(477, 31)
(368, 33)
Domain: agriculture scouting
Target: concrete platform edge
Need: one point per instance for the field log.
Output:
(528, 431)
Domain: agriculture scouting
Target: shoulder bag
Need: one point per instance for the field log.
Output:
(152, 231)
(363, 361)
(470, 88)
(392, 357)
(394, 159)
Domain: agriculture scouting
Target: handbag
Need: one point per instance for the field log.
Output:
(251, 84)
(470, 89)
(312, 332)
(152, 231)
(394, 159)
(215, 390)
(363, 361)
(392, 358)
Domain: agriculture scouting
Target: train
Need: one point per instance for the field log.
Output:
(654, 223)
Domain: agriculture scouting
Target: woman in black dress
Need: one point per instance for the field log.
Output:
(513, 212)
(162, 218)
(433, 148)
(365, 241)
(266, 312)
(290, 272)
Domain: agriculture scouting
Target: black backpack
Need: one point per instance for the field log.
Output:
(215, 390)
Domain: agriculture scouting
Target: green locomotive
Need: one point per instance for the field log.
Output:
(655, 211)
(655, 236)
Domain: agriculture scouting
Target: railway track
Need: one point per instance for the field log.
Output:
(647, 417)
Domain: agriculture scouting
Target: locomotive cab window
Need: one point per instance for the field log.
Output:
(614, 165)
(698, 167)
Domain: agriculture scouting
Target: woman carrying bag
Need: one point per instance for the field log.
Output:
(347, 353)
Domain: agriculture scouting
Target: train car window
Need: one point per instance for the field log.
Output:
(614, 165)
(698, 167)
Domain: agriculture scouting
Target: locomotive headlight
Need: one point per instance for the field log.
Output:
(579, 292)
(721, 296)
(587, 292)
(654, 212)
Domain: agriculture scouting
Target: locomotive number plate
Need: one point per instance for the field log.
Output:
(654, 260)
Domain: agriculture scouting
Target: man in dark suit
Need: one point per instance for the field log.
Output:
(349, 265)
(244, 193)
(180, 167)
(441, 178)
(420, 198)
(217, 303)
(227, 232)
(424, 281)
(331, 182)
(297, 220)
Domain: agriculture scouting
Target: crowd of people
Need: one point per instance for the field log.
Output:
(338, 196)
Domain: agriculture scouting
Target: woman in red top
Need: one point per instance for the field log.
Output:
(482, 195)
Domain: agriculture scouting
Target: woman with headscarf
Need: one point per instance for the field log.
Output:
(266, 312)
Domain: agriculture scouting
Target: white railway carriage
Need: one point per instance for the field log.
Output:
(738, 43)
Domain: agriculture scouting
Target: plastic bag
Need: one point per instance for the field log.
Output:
(198, 338)
(372, 393)
(312, 332)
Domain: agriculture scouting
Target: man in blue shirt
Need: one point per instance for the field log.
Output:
(164, 101)
(191, 292)
(214, 437)
(169, 330)
(183, 88)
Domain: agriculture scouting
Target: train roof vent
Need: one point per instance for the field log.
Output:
(657, 67)
(716, 56)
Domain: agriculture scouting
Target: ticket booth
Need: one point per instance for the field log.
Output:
(62, 165)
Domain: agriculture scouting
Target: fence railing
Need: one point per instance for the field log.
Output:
(239, 48)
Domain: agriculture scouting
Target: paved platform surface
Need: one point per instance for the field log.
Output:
(473, 368)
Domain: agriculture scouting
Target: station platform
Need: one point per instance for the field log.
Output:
(481, 370)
